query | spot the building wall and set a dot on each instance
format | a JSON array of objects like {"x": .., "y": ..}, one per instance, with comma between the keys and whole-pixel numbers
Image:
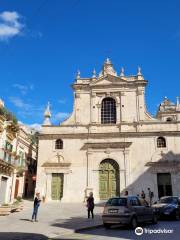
[{"x": 134, "y": 175}]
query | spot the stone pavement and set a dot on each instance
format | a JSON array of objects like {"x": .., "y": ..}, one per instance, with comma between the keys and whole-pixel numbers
[{"x": 55, "y": 219}]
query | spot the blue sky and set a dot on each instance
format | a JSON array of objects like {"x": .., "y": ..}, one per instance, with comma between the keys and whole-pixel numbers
[{"x": 44, "y": 42}]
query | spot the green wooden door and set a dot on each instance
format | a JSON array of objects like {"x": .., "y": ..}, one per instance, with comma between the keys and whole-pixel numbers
[
  {"x": 57, "y": 186},
  {"x": 108, "y": 179}
]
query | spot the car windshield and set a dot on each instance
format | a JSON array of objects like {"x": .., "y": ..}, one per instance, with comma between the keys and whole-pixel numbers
[
  {"x": 168, "y": 200},
  {"x": 117, "y": 202}
]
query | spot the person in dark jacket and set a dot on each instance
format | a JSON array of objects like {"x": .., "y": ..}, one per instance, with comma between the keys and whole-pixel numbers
[
  {"x": 143, "y": 195},
  {"x": 90, "y": 205},
  {"x": 37, "y": 201}
]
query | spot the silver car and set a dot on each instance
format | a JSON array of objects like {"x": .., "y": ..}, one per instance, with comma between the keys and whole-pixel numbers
[{"x": 128, "y": 210}]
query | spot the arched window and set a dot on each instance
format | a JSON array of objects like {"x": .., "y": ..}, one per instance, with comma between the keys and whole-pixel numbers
[
  {"x": 59, "y": 144},
  {"x": 169, "y": 119},
  {"x": 108, "y": 111},
  {"x": 161, "y": 142}
]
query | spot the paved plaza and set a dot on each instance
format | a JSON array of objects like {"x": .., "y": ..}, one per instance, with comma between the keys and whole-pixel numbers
[
  {"x": 61, "y": 220},
  {"x": 55, "y": 220}
]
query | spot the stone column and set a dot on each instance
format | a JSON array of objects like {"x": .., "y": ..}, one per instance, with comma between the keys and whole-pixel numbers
[
  {"x": 127, "y": 166},
  {"x": 13, "y": 185},
  {"x": 118, "y": 112},
  {"x": 123, "y": 107},
  {"x": 48, "y": 186},
  {"x": 99, "y": 113},
  {"x": 141, "y": 110},
  {"x": 124, "y": 171},
  {"x": 93, "y": 110}
]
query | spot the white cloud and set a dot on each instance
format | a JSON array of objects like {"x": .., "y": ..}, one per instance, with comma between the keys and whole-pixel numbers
[
  {"x": 23, "y": 88},
  {"x": 26, "y": 110},
  {"x": 18, "y": 102},
  {"x": 30, "y": 127},
  {"x": 62, "y": 101},
  {"x": 10, "y": 25},
  {"x": 60, "y": 116},
  {"x": 35, "y": 126}
]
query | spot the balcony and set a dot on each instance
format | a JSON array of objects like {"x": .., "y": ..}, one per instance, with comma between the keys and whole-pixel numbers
[{"x": 12, "y": 158}]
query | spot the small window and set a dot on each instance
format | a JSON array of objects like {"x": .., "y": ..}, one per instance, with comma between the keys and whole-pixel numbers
[
  {"x": 59, "y": 144},
  {"x": 161, "y": 142},
  {"x": 169, "y": 119}
]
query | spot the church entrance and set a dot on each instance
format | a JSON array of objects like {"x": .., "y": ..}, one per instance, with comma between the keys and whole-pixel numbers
[
  {"x": 108, "y": 179},
  {"x": 57, "y": 186},
  {"x": 164, "y": 184}
]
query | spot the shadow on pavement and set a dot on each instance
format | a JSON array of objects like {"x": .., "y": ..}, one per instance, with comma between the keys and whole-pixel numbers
[
  {"x": 21, "y": 236},
  {"x": 29, "y": 236},
  {"x": 77, "y": 222},
  {"x": 25, "y": 219}
]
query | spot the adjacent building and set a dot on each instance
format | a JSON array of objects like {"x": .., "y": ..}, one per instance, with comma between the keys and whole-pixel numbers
[
  {"x": 110, "y": 143},
  {"x": 18, "y": 150}
]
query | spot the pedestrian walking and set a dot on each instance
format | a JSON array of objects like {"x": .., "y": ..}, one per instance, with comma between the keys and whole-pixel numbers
[
  {"x": 90, "y": 205},
  {"x": 143, "y": 195},
  {"x": 37, "y": 201},
  {"x": 150, "y": 196}
]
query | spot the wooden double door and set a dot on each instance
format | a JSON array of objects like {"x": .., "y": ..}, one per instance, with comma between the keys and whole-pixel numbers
[
  {"x": 57, "y": 186},
  {"x": 108, "y": 179}
]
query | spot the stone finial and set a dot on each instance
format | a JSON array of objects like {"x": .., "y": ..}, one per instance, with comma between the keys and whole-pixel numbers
[
  {"x": 94, "y": 73},
  {"x": 108, "y": 68},
  {"x": 47, "y": 115},
  {"x": 108, "y": 61},
  {"x": 78, "y": 75},
  {"x": 122, "y": 72},
  {"x": 139, "y": 73}
]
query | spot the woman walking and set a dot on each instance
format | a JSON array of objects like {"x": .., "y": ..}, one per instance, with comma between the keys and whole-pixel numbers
[
  {"x": 90, "y": 205},
  {"x": 37, "y": 201}
]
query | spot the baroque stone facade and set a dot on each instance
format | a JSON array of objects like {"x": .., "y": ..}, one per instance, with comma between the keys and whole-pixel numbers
[{"x": 110, "y": 143}]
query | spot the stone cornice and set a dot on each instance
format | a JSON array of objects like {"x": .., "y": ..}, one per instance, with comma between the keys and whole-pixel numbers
[
  {"x": 107, "y": 135},
  {"x": 140, "y": 123},
  {"x": 106, "y": 145},
  {"x": 56, "y": 165},
  {"x": 166, "y": 163}
]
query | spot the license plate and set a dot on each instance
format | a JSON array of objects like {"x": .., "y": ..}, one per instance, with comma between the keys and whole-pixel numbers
[
  {"x": 166, "y": 213},
  {"x": 113, "y": 211}
]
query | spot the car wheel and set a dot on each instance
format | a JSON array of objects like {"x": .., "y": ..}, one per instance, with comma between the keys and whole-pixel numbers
[
  {"x": 154, "y": 220},
  {"x": 107, "y": 225},
  {"x": 133, "y": 222},
  {"x": 177, "y": 217}
]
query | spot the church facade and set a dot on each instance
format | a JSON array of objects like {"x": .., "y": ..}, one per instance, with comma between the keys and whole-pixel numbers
[{"x": 110, "y": 143}]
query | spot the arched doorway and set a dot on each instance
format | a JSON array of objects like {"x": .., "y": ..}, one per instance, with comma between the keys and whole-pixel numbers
[{"x": 108, "y": 179}]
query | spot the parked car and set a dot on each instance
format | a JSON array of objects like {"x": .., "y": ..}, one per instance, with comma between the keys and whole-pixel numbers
[
  {"x": 168, "y": 207},
  {"x": 127, "y": 210}
]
